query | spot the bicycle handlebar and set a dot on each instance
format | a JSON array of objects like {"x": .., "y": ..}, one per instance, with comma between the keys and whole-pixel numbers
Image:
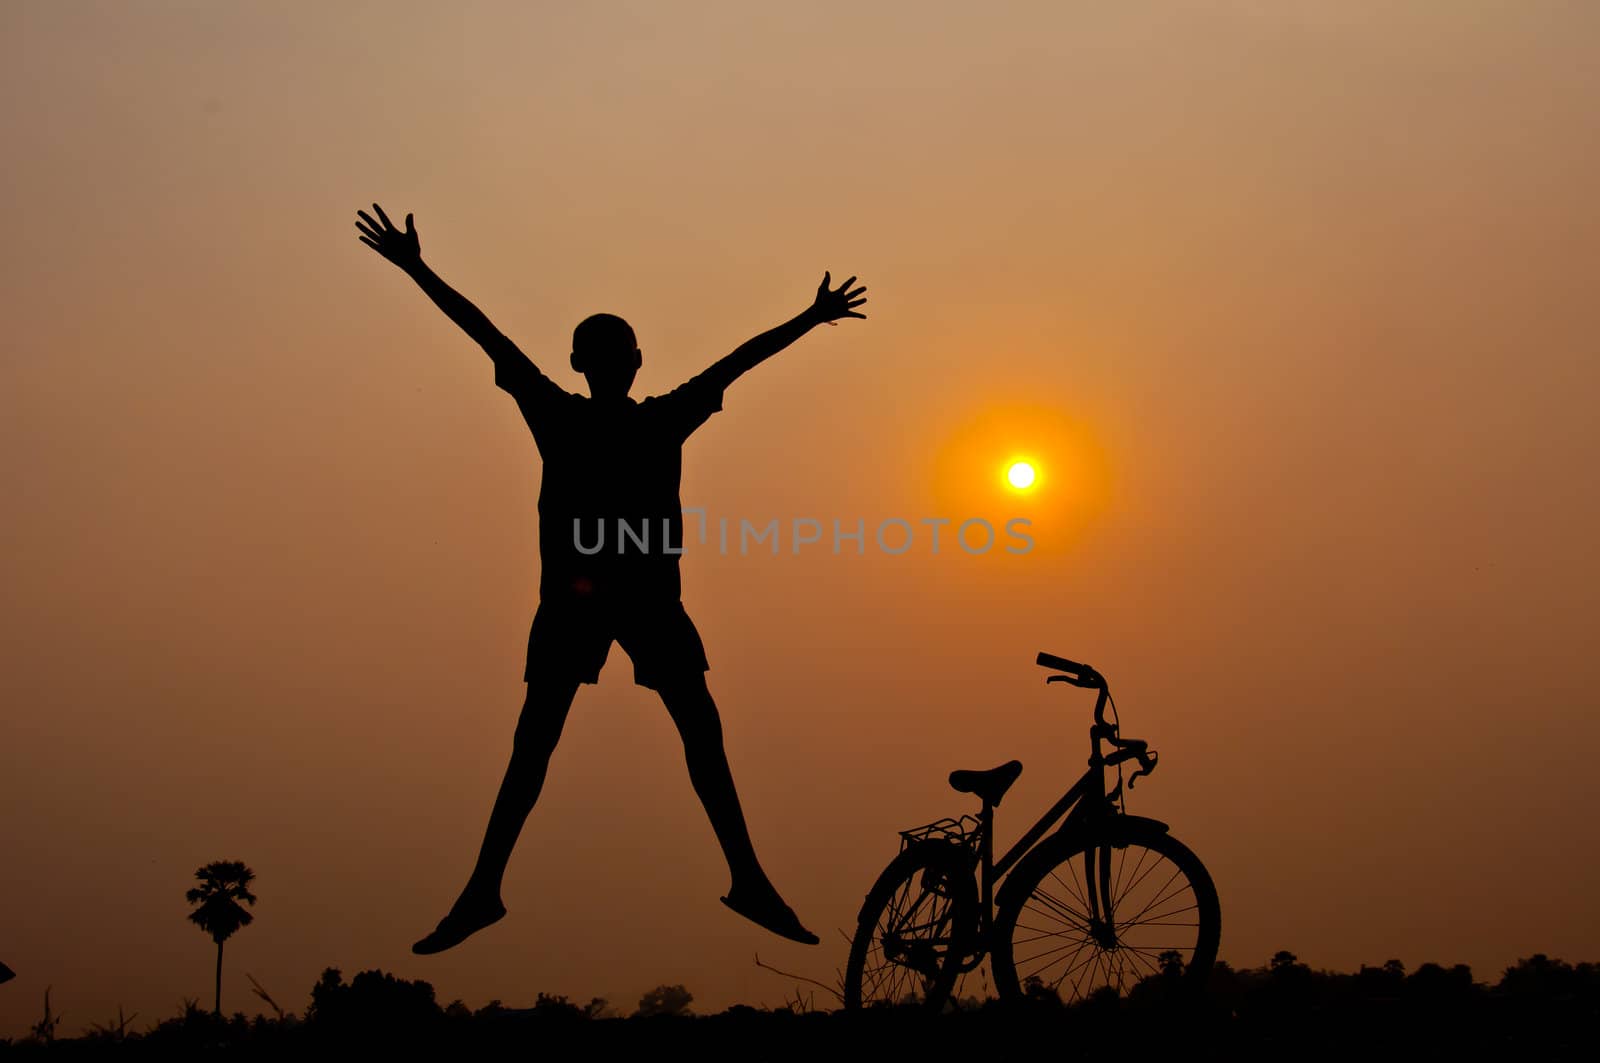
[{"x": 1080, "y": 675}]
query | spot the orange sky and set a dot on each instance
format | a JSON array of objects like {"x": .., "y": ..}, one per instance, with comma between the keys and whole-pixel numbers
[{"x": 1295, "y": 308}]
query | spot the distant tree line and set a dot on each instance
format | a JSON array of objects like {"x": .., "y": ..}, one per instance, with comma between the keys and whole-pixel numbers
[{"x": 1284, "y": 1009}]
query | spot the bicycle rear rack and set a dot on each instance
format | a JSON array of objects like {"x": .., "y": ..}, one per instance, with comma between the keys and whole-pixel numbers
[{"x": 965, "y": 832}]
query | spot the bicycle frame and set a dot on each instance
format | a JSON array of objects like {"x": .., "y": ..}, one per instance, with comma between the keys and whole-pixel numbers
[{"x": 1085, "y": 801}]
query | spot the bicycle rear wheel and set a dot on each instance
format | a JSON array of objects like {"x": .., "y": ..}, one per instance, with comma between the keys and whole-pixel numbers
[
  {"x": 918, "y": 923},
  {"x": 1132, "y": 910}
]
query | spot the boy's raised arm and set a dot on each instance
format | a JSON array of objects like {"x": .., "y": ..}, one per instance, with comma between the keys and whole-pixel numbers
[
  {"x": 829, "y": 306},
  {"x": 404, "y": 249}
]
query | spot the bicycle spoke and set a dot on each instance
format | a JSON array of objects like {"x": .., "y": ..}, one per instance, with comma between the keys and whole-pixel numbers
[
  {"x": 1156, "y": 951},
  {"x": 1080, "y": 924},
  {"x": 875, "y": 979},
  {"x": 1041, "y": 936},
  {"x": 1090, "y": 965},
  {"x": 1082, "y": 895},
  {"x": 1109, "y": 970},
  {"x": 1077, "y": 946},
  {"x": 1137, "y": 955},
  {"x": 1147, "y": 872},
  {"x": 1039, "y": 933},
  {"x": 896, "y": 982},
  {"x": 1063, "y": 911},
  {"x": 1162, "y": 898},
  {"x": 1163, "y": 922},
  {"x": 1184, "y": 892},
  {"x": 1071, "y": 963},
  {"x": 1064, "y": 940},
  {"x": 1165, "y": 919},
  {"x": 1122, "y": 972},
  {"x": 1122, "y": 863}
]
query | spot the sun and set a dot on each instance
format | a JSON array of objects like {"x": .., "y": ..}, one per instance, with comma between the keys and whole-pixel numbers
[{"x": 1021, "y": 475}]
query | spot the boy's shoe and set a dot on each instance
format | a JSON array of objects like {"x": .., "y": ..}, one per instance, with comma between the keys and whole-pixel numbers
[
  {"x": 456, "y": 927},
  {"x": 772, "y": 914}
]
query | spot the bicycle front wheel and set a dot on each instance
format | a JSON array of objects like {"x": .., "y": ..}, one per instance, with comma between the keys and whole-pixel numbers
[
  {"x": 1132, "y": 910},
  {"x": 918, "y": 924}
]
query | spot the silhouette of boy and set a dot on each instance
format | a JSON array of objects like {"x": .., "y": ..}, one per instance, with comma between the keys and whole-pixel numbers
[{"x": 610, "y": 528}]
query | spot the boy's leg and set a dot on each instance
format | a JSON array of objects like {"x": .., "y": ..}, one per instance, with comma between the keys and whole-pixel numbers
[
  {"x": 538, "y": 730},
  {"x": 752, "y": 894},
  {"x": 689, "y": 703}
]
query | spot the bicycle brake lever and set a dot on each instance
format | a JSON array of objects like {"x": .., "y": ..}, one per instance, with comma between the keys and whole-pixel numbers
[
  {"x": 1147, "y": 764},
  {"x": 1088, "y": 680}
]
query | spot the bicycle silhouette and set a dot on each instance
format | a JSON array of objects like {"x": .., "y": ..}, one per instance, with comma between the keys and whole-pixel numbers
[{"x": 1107, "y": 901}]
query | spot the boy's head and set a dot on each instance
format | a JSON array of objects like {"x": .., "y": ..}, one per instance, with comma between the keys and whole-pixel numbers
[{"x": 605, "y": 351}]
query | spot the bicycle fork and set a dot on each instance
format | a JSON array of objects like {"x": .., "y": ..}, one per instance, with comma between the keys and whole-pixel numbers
[{"x": 1097, "y": 880}]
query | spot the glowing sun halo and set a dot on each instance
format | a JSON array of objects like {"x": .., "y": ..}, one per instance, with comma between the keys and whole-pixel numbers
[{"x": 1020, "y": 475}]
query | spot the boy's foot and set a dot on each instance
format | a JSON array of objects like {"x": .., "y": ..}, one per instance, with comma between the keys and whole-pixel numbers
[
  {"x": 462, "y": 922},
  {"x": 766, "y": 909}
]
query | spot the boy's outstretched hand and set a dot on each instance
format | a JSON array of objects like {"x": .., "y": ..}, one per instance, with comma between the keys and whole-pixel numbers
[
  {"x": 830, "y": 306},
  {"x": 401, "y": 248}
]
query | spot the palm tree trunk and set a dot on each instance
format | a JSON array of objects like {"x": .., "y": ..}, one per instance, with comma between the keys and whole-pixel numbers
[{"x": 219, "y": 978}]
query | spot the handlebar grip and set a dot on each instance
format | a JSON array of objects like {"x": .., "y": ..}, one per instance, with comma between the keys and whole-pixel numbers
[{"x": 1061, "y": 664}]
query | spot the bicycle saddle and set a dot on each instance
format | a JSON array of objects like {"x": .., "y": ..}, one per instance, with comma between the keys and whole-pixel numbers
[{"x": 989, "y": 785}]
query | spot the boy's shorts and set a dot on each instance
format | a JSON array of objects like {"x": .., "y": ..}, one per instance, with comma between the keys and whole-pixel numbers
[{"x": 571, "y": 639}]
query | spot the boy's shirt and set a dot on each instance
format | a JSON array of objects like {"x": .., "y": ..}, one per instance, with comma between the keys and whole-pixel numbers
[{"x": 603, "y": 462}]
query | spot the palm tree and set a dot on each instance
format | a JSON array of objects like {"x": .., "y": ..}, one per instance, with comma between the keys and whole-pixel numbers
[{"x": 223, "y": 884}]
